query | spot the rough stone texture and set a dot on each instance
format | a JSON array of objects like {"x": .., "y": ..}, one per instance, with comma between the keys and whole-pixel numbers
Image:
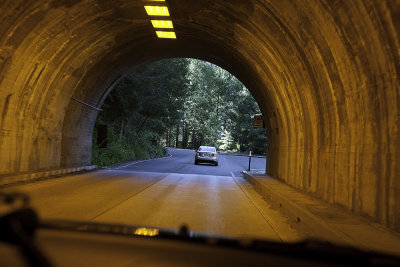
[{"x": 325, "y": 74}]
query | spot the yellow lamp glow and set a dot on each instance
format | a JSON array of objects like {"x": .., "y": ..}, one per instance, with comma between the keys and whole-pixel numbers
[
  {"x": 164, "y": 24},
  {"x": 146, "y": 231},
  {"x": 157, "y": 10},
  {"x": 162, "y": 34}
]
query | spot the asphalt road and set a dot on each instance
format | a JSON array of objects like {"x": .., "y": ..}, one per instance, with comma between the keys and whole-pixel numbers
[
  {"x": 166, "y": 192},
  {"x": 182, "y": 161}
]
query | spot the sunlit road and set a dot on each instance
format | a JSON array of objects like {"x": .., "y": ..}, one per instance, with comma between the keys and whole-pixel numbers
[{"x": 165, "y": 192}]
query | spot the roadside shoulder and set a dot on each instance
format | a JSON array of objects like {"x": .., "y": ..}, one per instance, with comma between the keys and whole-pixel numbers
[{"x": 323, "y": 220}]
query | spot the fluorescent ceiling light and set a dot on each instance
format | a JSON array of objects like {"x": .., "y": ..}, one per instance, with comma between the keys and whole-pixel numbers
[
  {"x": 157, "y": 10},
  {"x": 162, "y": 34},
  {"x": 155, "y": 0},
  {"x": 164, "y": 24}
]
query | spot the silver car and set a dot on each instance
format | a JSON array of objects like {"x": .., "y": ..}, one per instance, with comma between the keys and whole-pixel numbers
[{"x": 206, "y": 154}]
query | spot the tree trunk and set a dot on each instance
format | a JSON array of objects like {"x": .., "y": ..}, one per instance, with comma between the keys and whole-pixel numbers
[
  {"x": 185, "y": 135},
  {"x": 167, "y": 141},
  {"x": 177, "y": 137},
  {"x": 121, "y": 131}
]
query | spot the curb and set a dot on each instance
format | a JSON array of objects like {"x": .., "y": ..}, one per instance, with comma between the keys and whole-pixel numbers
[
  {"x": 30, "y": 177},
  {"x": 9, "y": 179},
  {"x": 129, "y": 163},
  {"x": 313, "y": 225}
]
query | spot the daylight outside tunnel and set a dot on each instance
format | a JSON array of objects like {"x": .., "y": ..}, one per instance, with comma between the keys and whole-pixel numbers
[
  {"x": 325, "y": 75},
  {"x": 181, "y": 103}
]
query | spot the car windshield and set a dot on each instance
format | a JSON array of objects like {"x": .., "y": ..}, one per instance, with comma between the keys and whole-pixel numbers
[{"x": 109, "y": 114}]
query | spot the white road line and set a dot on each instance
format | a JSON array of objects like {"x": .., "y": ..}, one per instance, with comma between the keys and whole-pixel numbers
[
  {"x": 136, "y": 162},
  {"x": 131, "y": 196}
]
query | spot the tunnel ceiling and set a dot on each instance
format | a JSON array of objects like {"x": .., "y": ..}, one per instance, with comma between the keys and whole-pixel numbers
[{"x": 325, "y": 75}]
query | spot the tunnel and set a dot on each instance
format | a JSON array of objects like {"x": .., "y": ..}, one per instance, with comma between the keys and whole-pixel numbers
[{"x": 324, "y": 73}]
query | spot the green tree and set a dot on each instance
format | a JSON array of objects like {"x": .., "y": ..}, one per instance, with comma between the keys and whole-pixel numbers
[
  {"x": 158, "y": 102},
  {"x": 219, "y": 110},
  {"x": 140, "y": 110}
]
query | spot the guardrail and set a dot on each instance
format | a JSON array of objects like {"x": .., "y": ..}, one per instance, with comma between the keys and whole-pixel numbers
[{"x": 241, "y": 155}]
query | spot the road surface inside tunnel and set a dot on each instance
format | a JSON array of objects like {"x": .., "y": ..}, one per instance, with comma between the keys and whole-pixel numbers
[
  {"x": 182, "y": 161},
  {"x": 168, "y": 193}
]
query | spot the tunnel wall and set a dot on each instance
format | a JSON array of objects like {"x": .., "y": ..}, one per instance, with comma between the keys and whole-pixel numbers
[
  {"x": 349, "y": 120},
  {"x": 325, "y": 74}
]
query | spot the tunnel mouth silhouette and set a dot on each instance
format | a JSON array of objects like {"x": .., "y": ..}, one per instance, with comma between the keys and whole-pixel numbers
[
  {"x": 135, "y": 121},
  {"x": 79, "y": 123},
  {"x": 325, "y": 76}
]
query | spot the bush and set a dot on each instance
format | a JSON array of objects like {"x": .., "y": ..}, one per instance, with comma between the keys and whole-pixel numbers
[{"x": 145, "y": 146}]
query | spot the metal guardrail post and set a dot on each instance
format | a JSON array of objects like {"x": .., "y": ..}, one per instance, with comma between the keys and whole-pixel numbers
[{"x": 249, "y": 160}]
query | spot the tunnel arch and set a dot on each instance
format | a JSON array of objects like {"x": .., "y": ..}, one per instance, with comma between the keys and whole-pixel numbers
[
  {"x": 325, "y": 75},
  {"x": 75, "y": 123}
]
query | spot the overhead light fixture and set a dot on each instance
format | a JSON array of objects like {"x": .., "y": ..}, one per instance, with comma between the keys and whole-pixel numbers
[
  {"x": 163, "y": 24},
  {"x": 157, "y": 10},
  {"x": 168, "y": 35}
]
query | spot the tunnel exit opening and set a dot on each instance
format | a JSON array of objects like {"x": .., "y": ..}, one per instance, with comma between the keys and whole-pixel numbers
[{"x": 180, "y": 103}]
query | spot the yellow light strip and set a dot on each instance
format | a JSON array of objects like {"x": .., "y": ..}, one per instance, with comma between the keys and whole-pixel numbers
[
  {"x": 163, "y": 24},
  {"x": 155, "y": 0},
  {"x": 163, "y": 34},
  {"x": 146, "y": 231},
  {"x": 157, "y": 10}
]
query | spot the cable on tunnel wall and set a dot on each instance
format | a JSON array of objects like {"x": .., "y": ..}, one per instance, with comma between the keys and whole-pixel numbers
[{"x": 86, "y": 104}]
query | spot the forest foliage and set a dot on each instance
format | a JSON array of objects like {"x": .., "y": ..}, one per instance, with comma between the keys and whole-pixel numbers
[{"x": 181, "y": 103}]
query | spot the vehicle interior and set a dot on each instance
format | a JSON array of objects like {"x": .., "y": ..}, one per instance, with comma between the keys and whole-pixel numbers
[{"x": 323, "y": 75}]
